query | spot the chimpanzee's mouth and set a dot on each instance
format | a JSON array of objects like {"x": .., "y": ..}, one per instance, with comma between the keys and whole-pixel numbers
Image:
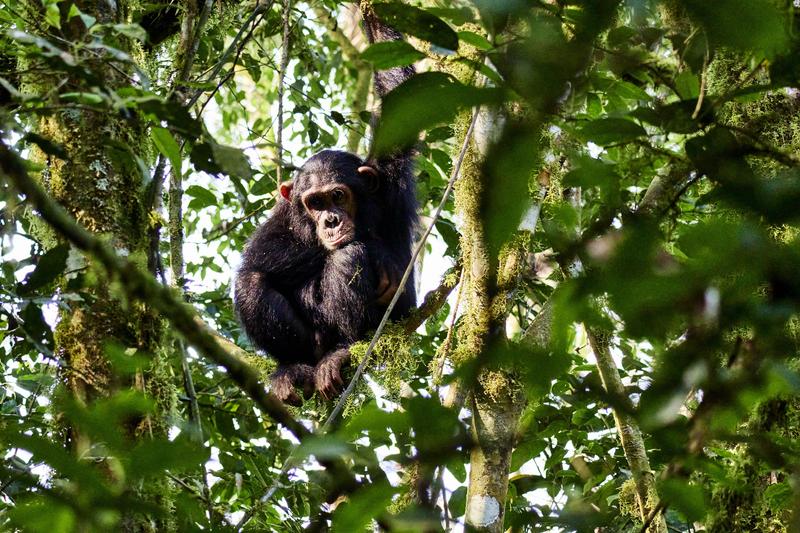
[{"x": 338, "y": 239}]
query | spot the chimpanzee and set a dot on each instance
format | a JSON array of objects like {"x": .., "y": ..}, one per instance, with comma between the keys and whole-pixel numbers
[{"x": 321, "y": 271}]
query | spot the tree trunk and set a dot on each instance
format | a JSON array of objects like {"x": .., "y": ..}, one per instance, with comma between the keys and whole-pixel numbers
[
  {"x": 102, "y": 187},
  {"x": 497, "y": 403}
]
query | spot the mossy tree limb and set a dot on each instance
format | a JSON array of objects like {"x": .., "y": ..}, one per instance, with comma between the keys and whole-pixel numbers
[
  {"x": 496, "y": 412},
  {"x": 630, "y": 435},
  {"x": 104, "y": 191},
  {"x": 360, "y": 94},
  {"x": 139, "y": 286}
]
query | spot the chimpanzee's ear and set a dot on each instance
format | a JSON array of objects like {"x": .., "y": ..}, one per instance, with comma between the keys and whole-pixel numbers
[
  {"x": 371, "y": 176},
  {"x": 286, "y": 189}
]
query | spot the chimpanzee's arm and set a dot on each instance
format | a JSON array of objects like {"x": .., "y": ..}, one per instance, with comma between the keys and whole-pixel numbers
[
  {"x": 391, "y": 252},
  {"x": 348, "y": 288},
  {"x": 272, "y": 264},
  {"x": 377, "y": 31},
  {"x": 397, "y": 165}
]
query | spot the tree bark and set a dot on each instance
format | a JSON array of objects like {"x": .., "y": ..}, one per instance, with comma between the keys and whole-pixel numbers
[
  {"x": 104, "y": 192},
  {"x": 496, "y": 403},
  {"x": 629, "y": 433}
]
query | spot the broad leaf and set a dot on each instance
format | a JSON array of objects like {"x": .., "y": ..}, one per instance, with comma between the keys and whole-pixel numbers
[{"x": 419, "y": 23}]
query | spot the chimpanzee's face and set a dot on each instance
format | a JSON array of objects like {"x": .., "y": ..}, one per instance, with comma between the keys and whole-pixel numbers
[
  {"x": 332, "y": 207},
  {"x": 328, "y": 190}
]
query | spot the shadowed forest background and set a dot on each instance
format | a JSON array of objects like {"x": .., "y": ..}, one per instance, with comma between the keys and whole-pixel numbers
[{"x": 608, "y": 336}]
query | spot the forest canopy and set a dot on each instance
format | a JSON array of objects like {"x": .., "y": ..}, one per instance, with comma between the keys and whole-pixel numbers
[{"x": 607, "y": 336}]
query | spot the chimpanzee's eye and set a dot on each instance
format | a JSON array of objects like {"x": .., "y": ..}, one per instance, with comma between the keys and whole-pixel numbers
[
  {"x": 314, "y": 203},
  {"x": 337, "y": 196}
]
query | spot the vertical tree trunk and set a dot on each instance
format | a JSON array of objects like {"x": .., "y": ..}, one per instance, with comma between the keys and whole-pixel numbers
[
  {"x": 102, "y": 187},
  {"x": 496, "y": 402}
]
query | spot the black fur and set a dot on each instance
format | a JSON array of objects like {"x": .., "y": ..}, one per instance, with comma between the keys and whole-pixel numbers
[{"x": 305, "y": 304}]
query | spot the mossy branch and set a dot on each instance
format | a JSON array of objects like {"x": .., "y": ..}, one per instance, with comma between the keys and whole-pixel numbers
[
  {"x": 141, "y": 286},
  {"x": 349, "y": 50},
  {"x": 434, "y": 300}
]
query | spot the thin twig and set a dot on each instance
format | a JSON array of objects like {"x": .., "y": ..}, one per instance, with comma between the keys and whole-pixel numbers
[
  {"x": 447, "y": 344},
  {"x": 703, "y": 81},
  {"x": 281, "y": 76},
  {"x": 360, "y": 369},
  {"x": 237, "y": 43}
]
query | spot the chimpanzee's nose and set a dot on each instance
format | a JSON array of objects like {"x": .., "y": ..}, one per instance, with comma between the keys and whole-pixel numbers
[{"x": 331, "y": 221}]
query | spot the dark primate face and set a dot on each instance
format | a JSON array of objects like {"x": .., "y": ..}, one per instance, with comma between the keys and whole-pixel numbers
[
  {"x": 327, "y": 190},
  {"x": 333, "y": 209}
]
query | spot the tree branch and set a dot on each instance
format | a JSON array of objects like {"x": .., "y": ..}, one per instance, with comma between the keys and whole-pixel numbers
[
  {"x": 141, "y": 286},
  {"x": 434, "y": 300}
]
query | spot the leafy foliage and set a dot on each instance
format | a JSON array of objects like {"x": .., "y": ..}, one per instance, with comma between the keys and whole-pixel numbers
[{"x": 654, "y": 144}]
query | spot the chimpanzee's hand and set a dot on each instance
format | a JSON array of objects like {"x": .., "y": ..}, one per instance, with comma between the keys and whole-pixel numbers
[
  {"x": 388, "y": 283},
  {"x": 286, "y": 378},
  {"x": 328, "y": 373}
]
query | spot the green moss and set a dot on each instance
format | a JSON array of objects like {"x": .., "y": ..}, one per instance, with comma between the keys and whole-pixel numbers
[
  {"x": 499, "y": 385},
  {"x": 628, "y": 502},
  {"x": 772, "y": 117},
  {"x": 393, "y": 360}
]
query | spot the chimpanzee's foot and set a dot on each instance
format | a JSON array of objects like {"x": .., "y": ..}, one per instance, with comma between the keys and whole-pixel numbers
[
  {"x": 287, "y": 377},
  {"x": 327, "y": 374}
]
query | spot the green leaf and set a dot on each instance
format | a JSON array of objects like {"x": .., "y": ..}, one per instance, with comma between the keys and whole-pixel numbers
[
  {"x": 87, "y": 20},
  {"x": 220, "y": 159},
  {"x": 323, "y": 447},
  {"x": 52, "y": 15},
  {"x": 49, "y": 267},
  {"x": 508, "y": 170},
  {"x": 43, "y": 514},
  {"x": 132, "y": 31},
  {"x": 458, "y": 502},
  {"x": 175, "y": 115},
  {"x": 364, "y": 505},
  {"x": 744, "y": 24},
  {"x": 82, "y": 98},
  {"x": 168, "y": 147},
  {"x": 778, "y": 496},
  {"x": 338, "y": 118},
  {"x": 686, "y": 497},
  {"x": 478, "y": 41},
  {"x": 35, "y": 325},
  {"x": 611, "y": 131},
  {"x": 152, "y": 457},
  {"x": 590, "y": 172},
  {"x": 388, "y": 54},
  {"x": 424, "y": 101},
  {"x": 126, "y": 361},
  {"x": 675, "y": 117},
  {"x": 687, "y": 85},
  {"x": 414, "y": 21},
  {"x": 458, "y": 16},
  {"x": 458, "y": 469},
  {"x": 202, "y": 196}
]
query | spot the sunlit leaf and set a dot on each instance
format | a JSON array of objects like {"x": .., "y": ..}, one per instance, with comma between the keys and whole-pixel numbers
[
  {"x": 166, "y": 144},
  {"x": 422, "y": 102},
  {"x": 385, "y": 55}
]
